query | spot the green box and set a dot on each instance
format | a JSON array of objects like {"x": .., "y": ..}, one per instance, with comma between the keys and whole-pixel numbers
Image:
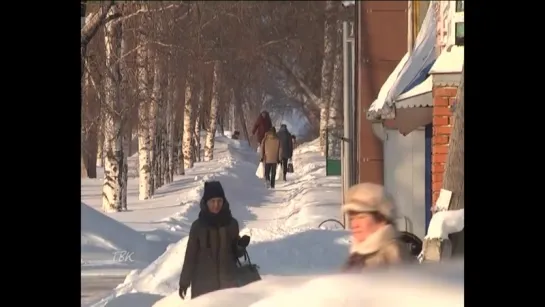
[{"x": 332, "y": 167}]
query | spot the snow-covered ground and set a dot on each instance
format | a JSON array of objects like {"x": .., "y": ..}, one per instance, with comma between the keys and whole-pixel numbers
[
  {"x": 283, "y": 223},
  {"x": 298, "y": 261}
]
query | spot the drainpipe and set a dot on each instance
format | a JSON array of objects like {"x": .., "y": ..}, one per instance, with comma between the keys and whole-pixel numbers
[
  {"x": 410, "y": 28},
  {"x": 378, "y": 130},
  {"x": 369, "y": 147}
]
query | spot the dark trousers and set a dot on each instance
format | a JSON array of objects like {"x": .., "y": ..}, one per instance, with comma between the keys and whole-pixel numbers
[
  {"x": 284, "y": 168},
  {"x": 270, "y": 173}
]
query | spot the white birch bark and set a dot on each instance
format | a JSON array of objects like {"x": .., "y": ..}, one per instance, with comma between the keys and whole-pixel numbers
[
  {"x": 327, "y": 70},
  {"x": 189, "y": 123},
  {"x": 111, "y": 189},
  {"x": 333, "y": 122},
  {"x": 144, "y": 191},
  {"x": 125, "y": 133},
  {"x": 214, "y": 103}
]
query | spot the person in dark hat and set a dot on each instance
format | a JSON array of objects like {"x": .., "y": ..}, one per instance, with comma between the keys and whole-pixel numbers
[{"x": 213, "y": 247}]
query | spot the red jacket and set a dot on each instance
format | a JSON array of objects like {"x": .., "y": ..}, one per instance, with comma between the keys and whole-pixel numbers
[{"x": 262, "y": 125}]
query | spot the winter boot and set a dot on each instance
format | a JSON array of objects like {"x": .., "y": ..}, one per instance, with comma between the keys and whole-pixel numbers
[{"x": 267, "y": 184}]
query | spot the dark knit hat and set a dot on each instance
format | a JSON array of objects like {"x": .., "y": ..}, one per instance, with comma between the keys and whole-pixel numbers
[{"x": 212, "y": 189}]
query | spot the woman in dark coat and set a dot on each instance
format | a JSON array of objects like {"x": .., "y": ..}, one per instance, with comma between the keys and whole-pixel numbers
[
  {"x": 262, "y": 125},
  {"x": 213, "y": 246}
]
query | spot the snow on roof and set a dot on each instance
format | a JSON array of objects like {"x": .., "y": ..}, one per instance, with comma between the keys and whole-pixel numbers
[
  {"x": 349, "y": 3},
  {"x": 411, "y": 67},
  {"x": 450, "y": 61},
  {"x": 418, "y": 96},
  {"x": 444, "y": 223}
]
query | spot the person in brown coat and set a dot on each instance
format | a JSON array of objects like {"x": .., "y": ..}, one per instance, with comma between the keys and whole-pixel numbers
[
  {"x": 213, "y": 247},
  {"x": 262, "y": 125},
  {"x": 375, "y": 239},
  {"x": 271, "y": 152}
]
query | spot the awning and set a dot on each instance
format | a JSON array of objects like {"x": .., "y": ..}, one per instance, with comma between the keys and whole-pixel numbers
[{"x": 411, "y": 72}]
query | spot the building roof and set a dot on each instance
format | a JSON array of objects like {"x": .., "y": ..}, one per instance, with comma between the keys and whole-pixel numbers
[{"x": 411, "y": 71}]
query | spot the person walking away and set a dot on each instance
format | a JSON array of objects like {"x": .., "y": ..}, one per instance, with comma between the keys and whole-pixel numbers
[
  {"x": 262, "y": 125},
  {"x": 271, "y": 151},
  {"x": 375, "y": 239},
  {"x": 213, "y": 246},
  {"x": 287, "y": 148}
]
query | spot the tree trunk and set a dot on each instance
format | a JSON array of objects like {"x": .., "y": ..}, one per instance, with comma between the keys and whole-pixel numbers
[
  {"x": 198, "y": 115},
  {"x": 126, "y": 131},
  {"x": 333, "y": 127},
  {"x": 100, "y": 141},
  {"x": 240, "y": 113},
  {"x": 327, "y": 70},
  {"x": 153, "y": 154},
  {"x": 144, "y": 191},
  {"x": 158, "y": 103},
  {"x": 170, "y": 126},
  {"x": 212, "y": 122},
  {"x": 454, "y": 168},
  {"x": 189, "y": 121},
  {"x": 180, "y": 101},
  {"x": 111, "y": 190}
]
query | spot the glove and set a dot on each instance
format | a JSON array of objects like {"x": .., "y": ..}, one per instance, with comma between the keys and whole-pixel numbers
[
  {"x": 182, "y": 291},
  {"x": 244, "y": 241}
]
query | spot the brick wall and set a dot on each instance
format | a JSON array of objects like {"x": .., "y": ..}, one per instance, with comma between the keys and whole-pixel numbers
[{"x": 443, "y": 98}]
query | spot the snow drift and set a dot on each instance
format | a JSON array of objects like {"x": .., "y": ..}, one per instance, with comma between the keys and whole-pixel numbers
[{"x": 107, "y": 243}]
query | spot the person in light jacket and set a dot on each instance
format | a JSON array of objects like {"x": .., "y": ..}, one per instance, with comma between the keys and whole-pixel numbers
[
  {"x": 271, "y": 151},
  {"x": 375, "y": 239},
  {"x": 213, "y": 246}
]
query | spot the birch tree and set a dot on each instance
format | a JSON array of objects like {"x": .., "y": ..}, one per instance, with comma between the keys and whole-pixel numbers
[
  {"x": 144, "y": 180},
  {"x": 214, "y": 104},
  {"x": 189, "y": 121},
  {"x": 125, "y": 127},
  {"x": 111, "y": 190},
  {"x": 327, "y": 70}
]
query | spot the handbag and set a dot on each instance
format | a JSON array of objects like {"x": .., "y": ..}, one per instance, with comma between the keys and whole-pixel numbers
[
  {"x": 290, "y": 166},
  {"x": 246, "y": 273},
  {"x": 260, "y": 172}
]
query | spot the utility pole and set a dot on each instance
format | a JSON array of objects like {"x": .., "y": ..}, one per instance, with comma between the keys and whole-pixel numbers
[{"x": 348, "y": 148}]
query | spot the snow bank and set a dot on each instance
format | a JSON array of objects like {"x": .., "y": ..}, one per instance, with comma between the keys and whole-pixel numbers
[
  {"x": 444, "y": 223},
  {"x": 107, "y": 243},
  {"x": 423, "y": 286}
]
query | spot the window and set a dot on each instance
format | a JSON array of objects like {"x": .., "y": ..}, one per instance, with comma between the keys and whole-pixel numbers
[
  {"x": 459, "y": 6},
  {"x": 459, "y": 34}
]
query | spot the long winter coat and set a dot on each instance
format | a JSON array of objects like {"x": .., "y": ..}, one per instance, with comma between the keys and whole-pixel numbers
[
  {"x": 382, "y": 248},
  {"x": 210, "y": 258},
  {"x": 285, "y": 142},
  {"x": 271, "y": 151},
  {"x": 261, "y": 126}
]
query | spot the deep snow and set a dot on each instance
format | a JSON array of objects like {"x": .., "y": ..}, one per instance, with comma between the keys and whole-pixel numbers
[{"x": 282, "y": 223}]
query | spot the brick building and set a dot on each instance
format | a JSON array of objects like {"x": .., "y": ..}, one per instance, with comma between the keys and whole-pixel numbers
[{"x": 412, "y": 114}]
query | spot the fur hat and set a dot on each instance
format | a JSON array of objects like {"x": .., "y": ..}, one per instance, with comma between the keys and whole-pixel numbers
[
  {"x": 212, "y": 189},
  {"x": 370, "y": 197}
]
